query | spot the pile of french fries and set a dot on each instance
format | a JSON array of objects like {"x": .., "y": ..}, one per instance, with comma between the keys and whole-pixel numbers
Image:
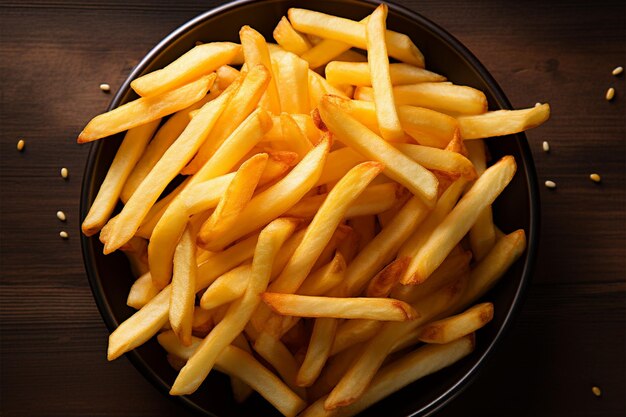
[{"x": 331, "y": 230}]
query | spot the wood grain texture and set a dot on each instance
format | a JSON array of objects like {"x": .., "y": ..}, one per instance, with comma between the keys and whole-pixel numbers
[{"x": 570, "y": 334}]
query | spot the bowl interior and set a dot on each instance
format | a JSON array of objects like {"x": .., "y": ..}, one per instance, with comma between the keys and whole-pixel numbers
[{"x": 517, "y": 207}]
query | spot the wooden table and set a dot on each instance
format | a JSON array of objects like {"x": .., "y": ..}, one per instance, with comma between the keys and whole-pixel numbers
[{"x": 570, "y": 334}]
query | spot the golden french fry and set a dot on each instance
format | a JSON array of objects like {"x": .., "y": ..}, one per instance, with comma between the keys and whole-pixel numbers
[
  {"x": 374, "y": 199},
  {"x": 502, "y": 122},
  {"x": 482, "y": 235},
  {"x": 455, "y": 327},
  {"x": 183, "y": 287},
  {"x": 202, "y": 321},
  {"x": 239, "y": 312},
  {"x": 237, "y": 362},
  {"x": 144, "y": 324},
  {"x": 243, "y": 102},
  {"x": 358, "y": 74},
  {"x": 125, "y": 159},
  {"x": 226, "y": 288},
  {"x": 305, "y": 122},
  {"x": 385, "y": 280},
  {"x": 281, "y": 359},
  {"x": 277, "y": 199},
  {"x": 226, "y": 75},
  {"x": 292, "y": 79},
  {"x": 199, "y": 61},
  {"x": 452, "y": 229},
  {"x": 386, "y": 113},
  {"x": 141, "y": 292},
  {"x": 353, "y": 332},
  {"x": 163, "y": 139},
  {"x": 451, "y": 163},
  {"x": 156, "y": 211},
  {"x": 349, "y": 246},
  {"x": 241, "y": 390},
  {"x": 398, "y": 374},
  {"x": 177, "y": 155},
  {"x": 444, "y": 206},
  {"x": 351, "y": 56},
  {"x": 353, "y": 33},
  {"x": 441, "y": 96},
  {"x": 354, "y": 383},
  {"x": 323, "y": 226},
  {"x": 145, "y": 110},
  {"x": 338, "y": 163},
  {"x": 457, "y": 145},
  {"x": 236, "y": 196},
  {"x": 290, "y": 40},
  {"x": 454, "y": 266},
  {"x": 317, "y": 352},
  {"x": 136, "y": 251},
  {"x": 325, "y": 278},
  {"x": 326, "y": 50},
  {"x": 397, "y": 166},
  {"x": 171, "y": 223},
  {"x": 255, "y": 52},
  {"x": 384, "y": 309},
  {"x": 293, "y": 135}
]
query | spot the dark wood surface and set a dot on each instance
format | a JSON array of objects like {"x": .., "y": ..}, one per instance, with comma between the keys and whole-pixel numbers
[{"x": 570, "y": 334}]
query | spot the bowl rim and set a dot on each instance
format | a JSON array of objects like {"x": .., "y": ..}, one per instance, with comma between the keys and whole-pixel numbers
[{"x": 500, "y": 99}]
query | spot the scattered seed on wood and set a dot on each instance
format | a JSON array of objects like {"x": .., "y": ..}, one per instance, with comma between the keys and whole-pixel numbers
[
  {"x": 610, "y": 93},
  {"x": 617, "y": 70},
  {"x": 595, "y": 177},
  {"x": 105, "y": 87},
  {"x": 20, "y": 145},
  {"x": 64, "y": 234},
  {"x": 61, "y": 216},
  {"x": 550, "y": 184},
  {"x": 64, "y": 172},
  {"x": 546, "y": 146},
  {"x": 596, "y": 391}
]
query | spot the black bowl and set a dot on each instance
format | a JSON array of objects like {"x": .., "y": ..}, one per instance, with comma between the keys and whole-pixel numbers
[{"x": 518, "y": 207}]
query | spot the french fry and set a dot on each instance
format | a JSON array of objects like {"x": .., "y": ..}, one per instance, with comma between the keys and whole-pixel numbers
[
  {"x": 354, "y": 383},
  {"x": 325, "y": 278},
  {"x": 353, "y": 33},
  {"x": 441, "y": 96},
  {"x": 397, "y": 166},
  {"x": 329, "y": 251},
  {"x": 241, "y": 390},
  {"x": 171, "y": 223},
  {"x": 398, "y": 374},
  {"x": 338, "y": 163},
  {"x": 358, "y": 74},
  {"x": 327, "y": 50},
  {"x": 146, "y": 322},
  {"x": 141, "y": 292},
  {"x": 452, "y": 229},
  {"x": 197, "y": 62},
  {"x": 294, "y": 136},
  {"x": 374, "y": 199},
  {"x": 145, "y": 110},
  {"x": 351, "y": 56},
  {"x": 385, "y": 280},
  {"x": 125, "y": 159},
  {"x": 332, "y": 372},
  {"x": 289, "y": 39},
  {"x": 226, "y": 288},
  {"x": 156, "y": 211},
  {"x": 349, "y": 246},
  {"x": 292, "y": 80},
  {"x": 164, "y": 171},
  {"x": 451, "y": 163},
  {"x": 455, "y": 327},
  {"x": 317, "y": 352},
  {"x": 277, "y": 199},
  {"x": 323, "y": 225},
  {"x": 386, "y": 113},
  {"x": 236, "y": 196},
  {"x": 353, "y": 332},
  {"x": 482, "y": 235},
  {"x": 281, "y": 359},
  {"x": 305, "y": 123},
  {"x": 444, "y": 206},
  {"x": 202, "y": 322},
  {"x": 163, "y": 139},
  {"x": 226, "y": 75},
  {"x": 502, "y": 122},
  {"x": 183, "y": 287},
  {"x": 136, "y": 251},
  {"x": 384, "y": 309},
  {"x": 241, "y": 364},
  {"x": 243, "y": 102},
  {"x": 255, "y": 52},
  {"x": 239, "y": 312}
]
